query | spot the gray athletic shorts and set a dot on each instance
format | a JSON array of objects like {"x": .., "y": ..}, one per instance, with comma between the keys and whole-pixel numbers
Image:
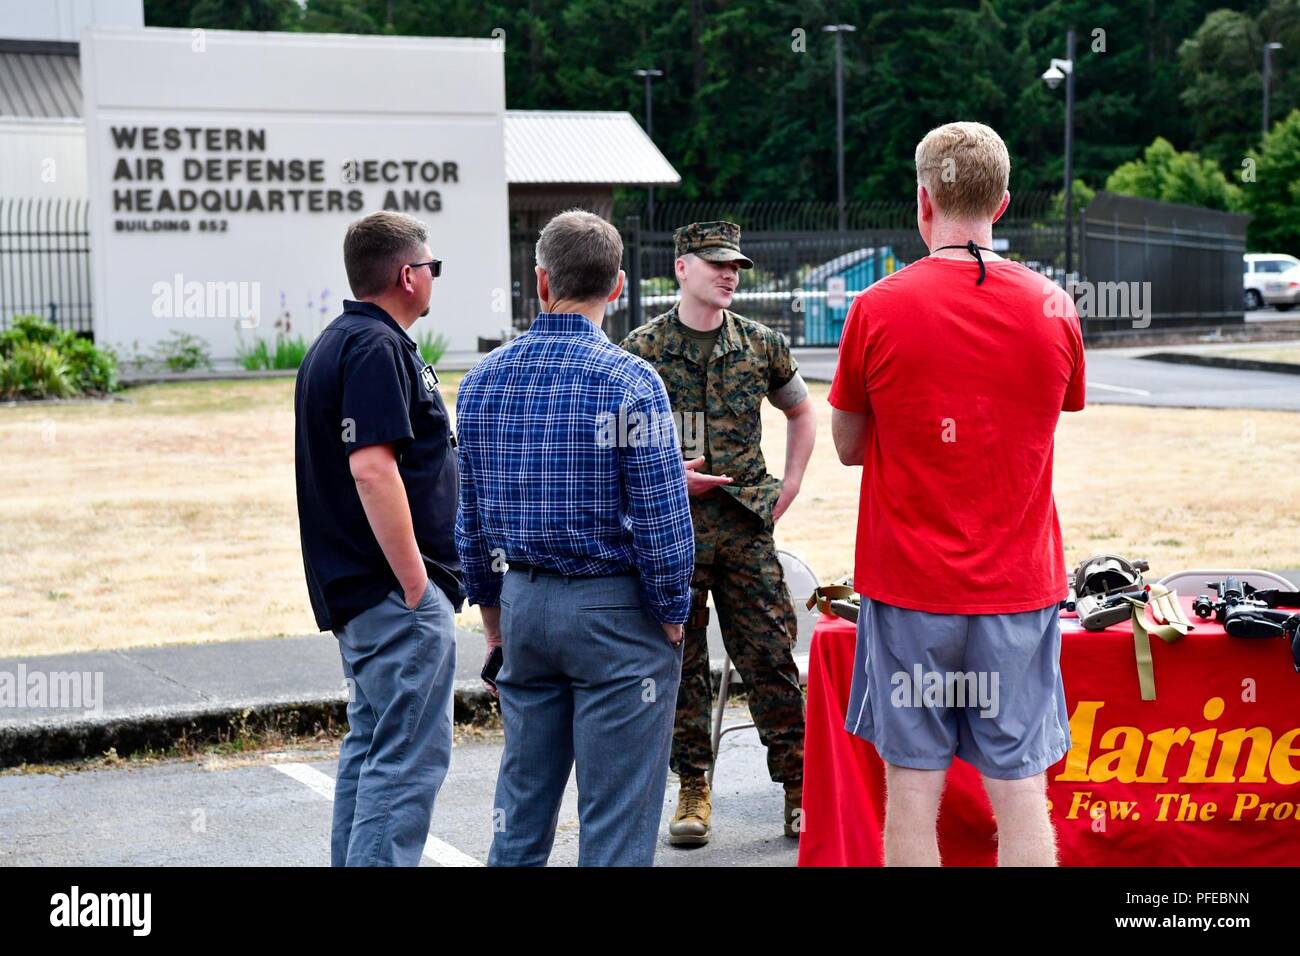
[{"x": 985, "y": 687}]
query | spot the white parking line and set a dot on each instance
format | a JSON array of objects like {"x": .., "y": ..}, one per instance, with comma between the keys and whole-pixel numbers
[
  {"x": 1119, "y": 388},
  {"x": 442, "y": 854}
]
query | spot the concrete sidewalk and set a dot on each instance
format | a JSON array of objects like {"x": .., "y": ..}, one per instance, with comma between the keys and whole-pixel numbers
[{"x": 153, "y": 697}]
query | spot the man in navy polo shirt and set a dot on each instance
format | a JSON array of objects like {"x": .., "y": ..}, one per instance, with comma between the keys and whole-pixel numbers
[{"x": 377, "y": 481}]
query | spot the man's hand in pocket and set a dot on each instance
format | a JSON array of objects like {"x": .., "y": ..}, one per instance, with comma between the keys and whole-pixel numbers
[
  {"x": 492, "y": 633},
  {"x": 414, "y": 594}
]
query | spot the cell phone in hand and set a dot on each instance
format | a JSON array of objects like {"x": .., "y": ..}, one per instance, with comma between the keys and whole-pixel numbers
[{"x": 493, "y": 666}]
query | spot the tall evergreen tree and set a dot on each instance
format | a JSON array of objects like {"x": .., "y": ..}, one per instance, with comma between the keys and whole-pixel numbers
[{"x": 746, "y": 106}]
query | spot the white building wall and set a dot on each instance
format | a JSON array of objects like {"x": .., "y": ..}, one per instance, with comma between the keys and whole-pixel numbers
[
  {"x": 324, "y": 98},
  {"x": 65, "y": 19},
  {"x": 42, "y": 157}
]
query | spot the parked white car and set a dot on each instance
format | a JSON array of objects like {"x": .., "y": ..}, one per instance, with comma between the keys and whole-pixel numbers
[{"x": 1270, "y": 279}]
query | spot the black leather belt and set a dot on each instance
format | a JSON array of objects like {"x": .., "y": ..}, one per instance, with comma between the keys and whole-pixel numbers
[{"x": 533, "y": 570}]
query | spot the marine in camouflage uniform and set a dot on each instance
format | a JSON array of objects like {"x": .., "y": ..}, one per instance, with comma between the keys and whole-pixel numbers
[{"x": 735, "y": 556}]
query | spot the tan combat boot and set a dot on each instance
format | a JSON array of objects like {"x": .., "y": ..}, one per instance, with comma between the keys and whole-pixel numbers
[
  {"x": 794, "y": 809},
  {"x": 690, "y": 824}
]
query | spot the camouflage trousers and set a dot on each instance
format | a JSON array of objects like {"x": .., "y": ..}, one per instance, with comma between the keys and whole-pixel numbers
[{"x": 759, "y": 630}]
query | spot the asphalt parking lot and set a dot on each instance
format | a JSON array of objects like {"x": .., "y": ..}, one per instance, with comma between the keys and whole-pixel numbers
[{"x": 273, "y": 809}]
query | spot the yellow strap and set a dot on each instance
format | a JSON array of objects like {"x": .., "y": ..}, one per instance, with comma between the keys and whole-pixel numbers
[
  {"x": 821, "y": 598},
  {"x": 1172, "y": 625}
]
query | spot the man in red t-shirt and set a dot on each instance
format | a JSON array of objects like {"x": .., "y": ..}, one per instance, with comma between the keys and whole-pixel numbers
[{"x": 952, "y": 375}]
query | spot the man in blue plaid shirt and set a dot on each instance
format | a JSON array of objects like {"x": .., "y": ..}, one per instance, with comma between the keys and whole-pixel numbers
[{"x": 575, "y": 535}]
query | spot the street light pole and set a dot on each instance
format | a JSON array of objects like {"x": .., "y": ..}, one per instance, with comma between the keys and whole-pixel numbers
[
  {"x": 1064, "y": 70},
  {"x": 1069, "y": 155},
  {"x": 839, "y": 29},
  {"x": 650, "y": 132},
  {"x": 1268, "y": 48}
]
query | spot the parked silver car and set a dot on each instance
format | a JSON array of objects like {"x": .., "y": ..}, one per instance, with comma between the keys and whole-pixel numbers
[{"x": 1270, "y": 279}]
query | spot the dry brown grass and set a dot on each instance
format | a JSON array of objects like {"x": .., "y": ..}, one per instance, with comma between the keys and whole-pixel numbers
[
  {"x": 1180, "y": 487},
  {"x": 1289, "y": 354},
  {"x": 169, "y": 517}
]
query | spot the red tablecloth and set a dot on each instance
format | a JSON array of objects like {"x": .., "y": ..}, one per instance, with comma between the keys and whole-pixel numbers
[{"x": 1205, "y": 774}]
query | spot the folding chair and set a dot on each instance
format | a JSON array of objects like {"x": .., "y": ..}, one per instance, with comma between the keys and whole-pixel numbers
[
  {"x": 1200, "y": 579},
  {"x": 801, "y": 581}
]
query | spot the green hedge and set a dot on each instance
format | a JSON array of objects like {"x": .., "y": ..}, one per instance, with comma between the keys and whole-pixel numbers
[{"x": 40, "y": 360}]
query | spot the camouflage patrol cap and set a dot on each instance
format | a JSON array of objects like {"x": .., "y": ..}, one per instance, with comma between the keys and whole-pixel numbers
[{"x": 715, "y": 241}]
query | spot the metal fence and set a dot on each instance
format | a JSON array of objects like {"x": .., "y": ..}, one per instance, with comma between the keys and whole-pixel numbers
[
  {"x": 45, "y": 261},
  {"x": 1155, "y": 265},
  {"x": 807, "y": 270}
]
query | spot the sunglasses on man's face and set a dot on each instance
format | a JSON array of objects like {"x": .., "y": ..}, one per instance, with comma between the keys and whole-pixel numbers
[{"x": 435, "y": 268}]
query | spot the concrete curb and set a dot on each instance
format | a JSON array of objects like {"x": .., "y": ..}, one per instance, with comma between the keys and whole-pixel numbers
[
  {"x": 53, "y": 741},
  {"x": 160, "y": 378},
  {"x": 60, "y": 741},
  {"x": 1222, "y": 361},
  {"x": 451, "y": 363},
  {"x": 1228, "y": 334}
]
